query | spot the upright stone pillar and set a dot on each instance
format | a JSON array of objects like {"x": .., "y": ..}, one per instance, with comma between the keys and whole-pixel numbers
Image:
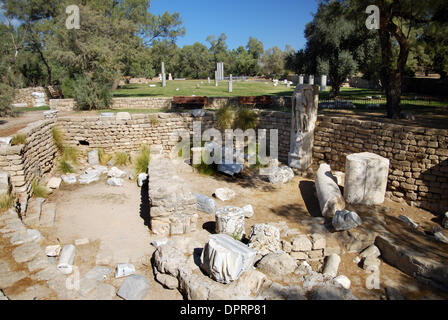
[
  {"x": 311, "y": 80},
  {"x": 216, "y": 78},
  {"x": 323, "y": 83},
  {"x": 208, "y": 79},
  {"x": 170, "y": 77},
  {"x": 305, "y": 101},
  {"x": 163, "y": 75},
  {"x": 366, "y": 178},
  {"x": 230, "y": 84},
  {"x": 300, "y": 79}
]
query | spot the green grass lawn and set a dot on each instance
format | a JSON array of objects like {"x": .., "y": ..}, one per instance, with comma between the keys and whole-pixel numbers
[
  {"x": 19, "y": 110},
  {"x": 188, "y": 88}
]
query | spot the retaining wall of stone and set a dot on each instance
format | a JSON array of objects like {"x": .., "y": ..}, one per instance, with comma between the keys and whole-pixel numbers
[
  {"x": 418, "y": 156},
  {"x": 31, "y": 160},
  {"x": 162, "y": 103},
  {"x": 24, "y": 95}
]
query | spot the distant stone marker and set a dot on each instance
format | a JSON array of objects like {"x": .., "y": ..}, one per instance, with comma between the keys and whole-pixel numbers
[{"x": 230, "y": 84}]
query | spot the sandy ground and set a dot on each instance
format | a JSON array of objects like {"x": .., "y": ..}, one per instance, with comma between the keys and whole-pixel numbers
[{"x": 117, "y": 216}]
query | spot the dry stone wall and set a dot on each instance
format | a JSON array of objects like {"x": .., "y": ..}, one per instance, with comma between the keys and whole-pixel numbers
[
  {"x": 31, "y": 160},
  {"x": 418, "y": 156},
  {"x": 23, "y": 96},
  {"x": 117, "y": 103}
]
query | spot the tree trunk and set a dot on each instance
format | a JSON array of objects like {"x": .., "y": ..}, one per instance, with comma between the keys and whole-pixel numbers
[{"x": 392, "y": 77}]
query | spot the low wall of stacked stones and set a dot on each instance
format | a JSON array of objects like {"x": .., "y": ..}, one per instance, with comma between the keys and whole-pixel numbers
[
  {"x": 162, "y": 103},
  {"x": 418, "y": 156},
  {"x": 117, "y": 103},
  {"x": 24, "y": 95},
  {"x": 128, "y": 135},
  {"x": 31, "y": 160},
  {"x": 158, "y": 128}
]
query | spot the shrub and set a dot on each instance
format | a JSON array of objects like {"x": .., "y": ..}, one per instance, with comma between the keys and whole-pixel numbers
[
  {"x": 142, "y": 160},
  {"x": 6, "y": 99},
  {"x": 68, "y": 87},
  {"x": 91, "y": 95},
  {"x": 39, "y": 190},
  {"x": 70, "y": 154},
  {"x": 121, "y": 158},
  {"x": 224, "y": 117},
  {"x": 18, "y": 139},
  {"x": 65, "y": 167},
  {"x": 245, "y": 118},
  {"x": 58, "y": 138},
  {"x": 6, "y": 202},
  {"x": 104, "y": 157}
]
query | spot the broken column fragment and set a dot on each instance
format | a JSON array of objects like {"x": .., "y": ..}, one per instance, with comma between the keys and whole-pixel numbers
[
  {"x": 328, "y": 192},
  {"x": 365, "y": 178},
  {"x": 225, "y": 259},
  {"x": 230, "y": 220}
]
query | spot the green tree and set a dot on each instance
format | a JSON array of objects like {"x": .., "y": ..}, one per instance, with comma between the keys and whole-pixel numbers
[
  {"x": 273, "y": 62},
  {"x": 397, "y": 21},
  {"x": 196, "y": 61},
  {"x": 330, "y": 44}
]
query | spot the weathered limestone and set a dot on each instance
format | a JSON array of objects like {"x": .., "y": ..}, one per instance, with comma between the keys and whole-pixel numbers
[
  {"x": 206, "y": 204},
  {"x": 93, "y": 158},
  {"x": 346, "y": 220},
  {"x": 124, "y": 270},
  {"x": 342, "y": 281},
  {"x": 5, "y": 183},
  {"x": 134, "y": 287},
  {"x": 305, "y": 101},
  {"x": 230, "y": 220},
  {"x": 53, "y": 251},
  {"x": 115, "y": 182},
  {"x": 224, "y": 258},
  {"x": 328, "y": 192},
  {"x": 114, "y": 172},
  {"x": 54, "y": 183},
  {"x": 281, "y": 175},
  {"x": 65, "y": 264},
  {"x": 224, "y": 194},
  {"x": 69, "y": 178},
  {"x": 366, "y": 178},
  {"x": 277, "y": 264},
  {"x": 332, "y": 265},
  {"x": 264, "y": 239},
  {"x": 173, "y": 206},
  {"x": 248, "y": 211}
]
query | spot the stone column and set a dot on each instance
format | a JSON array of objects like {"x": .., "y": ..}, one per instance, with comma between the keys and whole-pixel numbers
[
  {"x": 163, "y": 67},
  {"x": 230, "y": 220},
  {"x": 230, "y": 84},
  {"x": 305, "y": 101},
  {"x": 328, "y": 192},
  {"x": 208, "y": 79},
  {"x": 216, "y": 78},
  {"x": 163, "y": 80},
  {"x": 366, "y": 178},
  {"x": 300, "y": 79},
  {"x": 311, "y": 80},
  {"x": 323, "y": 83}
]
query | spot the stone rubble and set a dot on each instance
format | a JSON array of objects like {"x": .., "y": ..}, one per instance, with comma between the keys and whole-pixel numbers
[
  {"x": 280, "y": 175},
  {"x": 134, "y": 287},
  {"x": 346, "y": 220},
  {"x": 264, "y": 239},
  {"x": 224, "y": 194}
]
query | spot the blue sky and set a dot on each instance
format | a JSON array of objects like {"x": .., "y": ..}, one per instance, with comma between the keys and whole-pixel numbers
[{"x": 274, "y": 22}]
